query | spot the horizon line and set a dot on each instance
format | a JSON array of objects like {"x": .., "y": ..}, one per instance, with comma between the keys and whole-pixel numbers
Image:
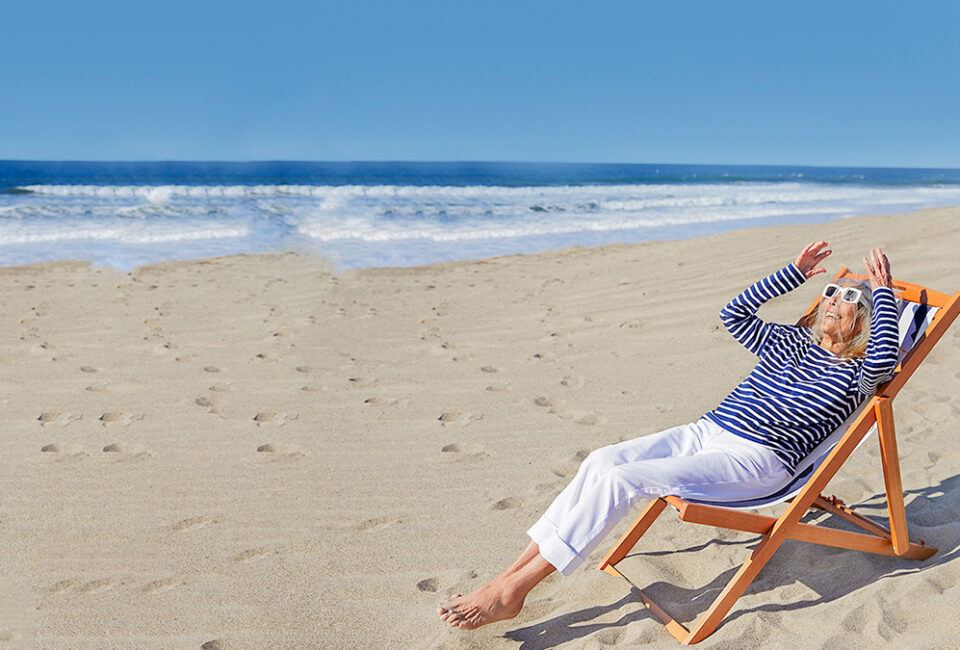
[{"x": 465, "y": 162}]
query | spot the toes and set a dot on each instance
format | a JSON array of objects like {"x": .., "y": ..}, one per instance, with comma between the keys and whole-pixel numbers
[
  {"x": 447, "y": 607},
  {"x": 448, "y": 615}
]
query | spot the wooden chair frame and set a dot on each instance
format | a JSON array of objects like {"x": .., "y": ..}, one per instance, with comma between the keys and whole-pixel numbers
[{"x": 877, "y": 539}]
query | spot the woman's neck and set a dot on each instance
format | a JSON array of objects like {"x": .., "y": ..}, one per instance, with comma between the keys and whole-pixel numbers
[{"x": 834, "y": 346}]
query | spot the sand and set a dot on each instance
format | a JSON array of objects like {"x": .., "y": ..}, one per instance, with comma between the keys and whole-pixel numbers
[{"x": 256, "y": 451}]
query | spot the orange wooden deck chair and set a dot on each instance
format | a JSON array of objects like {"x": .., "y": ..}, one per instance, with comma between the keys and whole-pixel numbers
[{"x": 924, "y": 317}]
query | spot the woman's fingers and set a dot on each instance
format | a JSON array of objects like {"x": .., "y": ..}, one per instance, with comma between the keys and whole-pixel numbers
[
  {"x": 884, "y": 262},
  {"x": 881, "y": 263},
  {"x": 815, "y": 249},
  {"x": 878, "y": 267},
  {"x": 811, "y": 255}
]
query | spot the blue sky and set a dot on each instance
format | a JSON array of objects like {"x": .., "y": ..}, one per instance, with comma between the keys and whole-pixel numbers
[{"x": 817, "y": 83}]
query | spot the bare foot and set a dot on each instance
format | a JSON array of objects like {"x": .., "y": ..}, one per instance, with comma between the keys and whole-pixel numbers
[{"x": 488, "y": 604}]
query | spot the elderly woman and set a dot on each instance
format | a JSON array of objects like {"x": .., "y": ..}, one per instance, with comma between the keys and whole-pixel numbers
[{"x": 809, "y": 379}]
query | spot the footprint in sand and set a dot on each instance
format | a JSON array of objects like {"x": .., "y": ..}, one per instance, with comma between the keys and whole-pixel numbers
[
  {"x": 203, "y": 401},
  {"x": 507, "y": 504},
  {"x": 215, "y": 644},
  {"x": 377, "y": 522},
  {"x": 458, "y": 453},
  {"x": 500, "y": 387},
  {"x": 160, "y": 585},
  {"x": 387, "y": 401},
  {"x": 59, "y": 452},
  {"x": 191, "y": 522},
  {"x": 273, "y": 417},
  {"x": 585, "y": 418},
  {"x": 88, "y": 369},
  {"x": 251, "y": 554},
  {"x": 96, "y": 585},
  {"x": 125, "y": 452},
  {"x": 52, "y": 416},
  {"x": 305, "y": 369},
  {"x": 274, "y": 451},
  {"x": 544, "y": 401},
  {"x": 312, "y": 388},
  {"x": 570, "y": 467},
  {"x": 211, "y": 369},
  {"x": 96, "y": 388},
  {"x": 221, "y": 388},
  {"x": 430, "y": 585},
  {"x": 362, "y": 382},
  {"x": 572, "y": 382},
  {"x": 60, "y": 587},
  {"x": 940, "y": 582},
  {"x": 489, "y": 369},
  {"x": 608, "y": 637},
  {"x": 115, "y": 417},
  {"x": 631, "y": 324}
]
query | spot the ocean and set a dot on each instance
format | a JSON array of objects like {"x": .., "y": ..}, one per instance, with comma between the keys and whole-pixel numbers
[{"x": 365, "y": 214}]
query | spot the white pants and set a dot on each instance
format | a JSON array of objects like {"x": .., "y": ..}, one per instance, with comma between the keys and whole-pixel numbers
[{"x": 699, "y": 460}]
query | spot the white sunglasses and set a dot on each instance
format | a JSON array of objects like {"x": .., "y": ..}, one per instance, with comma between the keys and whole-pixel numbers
[{"x": 847, "y": 294}]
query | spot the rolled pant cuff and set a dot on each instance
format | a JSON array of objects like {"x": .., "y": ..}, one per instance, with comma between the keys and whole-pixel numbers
[{"x": 553, "y": 549}]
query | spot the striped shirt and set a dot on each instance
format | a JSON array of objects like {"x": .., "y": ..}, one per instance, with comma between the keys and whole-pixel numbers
[{"x": 799, "y": 393}]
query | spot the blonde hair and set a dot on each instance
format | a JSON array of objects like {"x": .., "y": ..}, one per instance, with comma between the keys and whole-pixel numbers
[{"x": 857, "y": 346}]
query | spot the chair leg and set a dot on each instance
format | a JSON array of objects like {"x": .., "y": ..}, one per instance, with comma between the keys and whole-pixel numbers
[
  {"x": 891, "y": 476},
  {"x": 633, "y": 534},
  {"x": 712, "y": 618}
]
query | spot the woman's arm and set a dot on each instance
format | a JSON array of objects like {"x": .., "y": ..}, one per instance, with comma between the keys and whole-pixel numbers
[
  {"x": 883, "y": 348},
  {"x": 739, "y": 315}
]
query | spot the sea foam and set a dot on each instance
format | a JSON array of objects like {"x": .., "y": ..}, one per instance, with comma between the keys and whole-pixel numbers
[{"x": 374, "y": 224}]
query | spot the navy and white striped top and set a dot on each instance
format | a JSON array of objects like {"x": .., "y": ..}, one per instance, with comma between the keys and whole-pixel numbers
[{"x": 799, "y": 393}]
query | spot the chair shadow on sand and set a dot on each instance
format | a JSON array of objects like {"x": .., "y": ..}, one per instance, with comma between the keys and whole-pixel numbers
[{"x": 932, "y": 515}]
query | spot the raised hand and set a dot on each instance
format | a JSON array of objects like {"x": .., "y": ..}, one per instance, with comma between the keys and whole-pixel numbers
[
  {"x": 878, "y": 268},
  {"x": 811, "y": 256}
]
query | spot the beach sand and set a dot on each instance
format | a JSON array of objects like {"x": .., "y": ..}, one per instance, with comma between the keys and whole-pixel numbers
[{"x": 255, "y": 451}]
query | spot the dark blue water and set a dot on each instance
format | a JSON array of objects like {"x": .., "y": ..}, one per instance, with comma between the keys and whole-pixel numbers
[{"x": 14, "y": 174}]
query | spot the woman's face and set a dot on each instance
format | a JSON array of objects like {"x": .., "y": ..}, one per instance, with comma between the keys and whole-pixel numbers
[{"x": 837, "y": 318}]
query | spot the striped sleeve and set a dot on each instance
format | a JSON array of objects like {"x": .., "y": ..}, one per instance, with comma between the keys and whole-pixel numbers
[
  {"x": 883, "y": 348},
  {"x": 739, "y": 315}
]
